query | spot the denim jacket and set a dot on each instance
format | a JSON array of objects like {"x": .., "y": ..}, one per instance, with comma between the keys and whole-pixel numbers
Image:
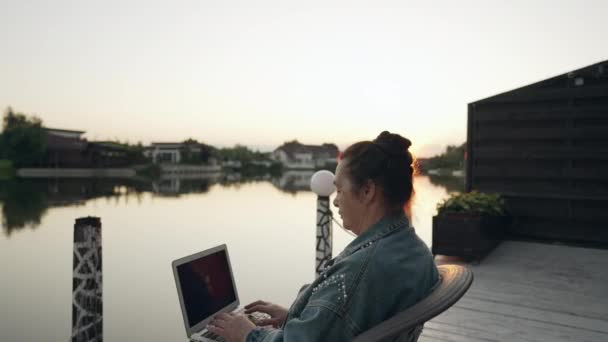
[{"x": 383, "y": 271}]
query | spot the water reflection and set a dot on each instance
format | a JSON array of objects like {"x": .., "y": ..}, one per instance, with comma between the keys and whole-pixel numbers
[
  {"x": 294, "y": 181},
  {"x": 178, "y": 186},
  {"x": 451, "y": 184},
  {"x": 23, "y": 204},
  {"x": 26, "y": 201}
]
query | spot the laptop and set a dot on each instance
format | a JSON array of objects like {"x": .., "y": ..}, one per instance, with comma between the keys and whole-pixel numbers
[{"x": 205, "y": 287}]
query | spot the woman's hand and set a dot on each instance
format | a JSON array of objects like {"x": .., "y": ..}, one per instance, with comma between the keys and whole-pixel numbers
[
  {"x": 232, "y": 327},
  {"x": 278, "y": 314}
]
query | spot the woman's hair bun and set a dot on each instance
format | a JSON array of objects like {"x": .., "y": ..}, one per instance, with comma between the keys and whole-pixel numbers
[
  {"x": 386, "y": 161},
  {"x": 393, "y": 144}
]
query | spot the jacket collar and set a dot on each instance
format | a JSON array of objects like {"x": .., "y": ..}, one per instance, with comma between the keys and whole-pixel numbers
[{"x": 378, "y": 230}]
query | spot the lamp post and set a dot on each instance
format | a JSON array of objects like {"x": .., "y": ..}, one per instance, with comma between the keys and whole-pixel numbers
[{"x": 322, "y": 183}]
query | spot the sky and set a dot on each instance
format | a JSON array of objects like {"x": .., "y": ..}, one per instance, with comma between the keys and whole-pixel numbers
[{"x": 260, "y": 73}]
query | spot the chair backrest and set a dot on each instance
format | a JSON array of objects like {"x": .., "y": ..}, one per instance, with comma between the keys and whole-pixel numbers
[{"x": 454, "y": 282}]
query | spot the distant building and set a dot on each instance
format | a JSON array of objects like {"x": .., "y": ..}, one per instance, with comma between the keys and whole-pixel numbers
[
  {"x": 294, "y": 155},
  {"x": 65, "y": 133},
  {"x": 109, "y": 154},
  {"x": 175, "y": 153},
  {"x": 232, "y": 164},
  {"x": 67, "y": 149},
  {"x": 166, "y": 152}
]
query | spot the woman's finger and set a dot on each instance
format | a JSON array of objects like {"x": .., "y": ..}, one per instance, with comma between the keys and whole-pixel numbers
[
  {"x": 270, "y": 321},
  {"x": 223, "y": 316},
  {"x": 220, "y": 319},
  {"x": 258, "y": 308},
  {"x": 257, "y": 302},
  {"x": 216, "y": 323},
  {"x": 216, "y": 329},
  {"x": 251, "y": 309}
]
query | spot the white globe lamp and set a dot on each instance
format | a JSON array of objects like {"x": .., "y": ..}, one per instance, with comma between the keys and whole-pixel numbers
[{"x": 322, "y": 183}]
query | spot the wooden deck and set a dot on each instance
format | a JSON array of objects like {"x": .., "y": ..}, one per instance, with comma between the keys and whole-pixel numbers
[{"x": 530, "y": 292}]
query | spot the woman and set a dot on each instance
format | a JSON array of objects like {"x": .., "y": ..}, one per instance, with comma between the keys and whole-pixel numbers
[{"x": 386, "y": 269}]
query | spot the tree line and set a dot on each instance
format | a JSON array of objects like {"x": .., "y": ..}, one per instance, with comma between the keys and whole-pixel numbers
[
  {"x": 452, "y": 158},
  {"x": 23, "y": 139},
  {"x": 23, "y": 143}
]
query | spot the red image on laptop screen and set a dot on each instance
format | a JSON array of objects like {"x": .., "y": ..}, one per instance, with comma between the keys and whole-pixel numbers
[{"x": 206, "y": 286}]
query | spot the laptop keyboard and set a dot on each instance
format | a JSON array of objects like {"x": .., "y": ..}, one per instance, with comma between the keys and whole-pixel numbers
[
  {"x": 213, "y": 336},
  {"x": 255, "y": 317}
]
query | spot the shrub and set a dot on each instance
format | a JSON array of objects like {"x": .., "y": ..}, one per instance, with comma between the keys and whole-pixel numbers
[{"x": 474, "y": 202}]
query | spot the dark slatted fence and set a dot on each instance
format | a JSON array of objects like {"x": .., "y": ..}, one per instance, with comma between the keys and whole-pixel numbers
[{"x": 545, "y": 148}]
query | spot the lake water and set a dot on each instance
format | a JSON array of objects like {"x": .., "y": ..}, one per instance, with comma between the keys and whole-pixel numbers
[{"x": 268, "y": 225}]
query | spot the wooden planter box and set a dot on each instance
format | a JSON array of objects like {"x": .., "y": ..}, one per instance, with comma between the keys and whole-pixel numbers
[{"x": 466, "y": 235}]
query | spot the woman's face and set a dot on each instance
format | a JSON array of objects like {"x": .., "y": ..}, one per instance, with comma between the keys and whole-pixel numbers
[{"x": 350, "y": 207}]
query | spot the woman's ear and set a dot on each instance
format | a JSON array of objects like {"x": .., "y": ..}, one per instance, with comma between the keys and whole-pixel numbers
[{"x": 368, "y": 191}]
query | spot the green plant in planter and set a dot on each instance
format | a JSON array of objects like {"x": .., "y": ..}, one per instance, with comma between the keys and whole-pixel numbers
[
  {"x": 469, "y": 224},
  {"x": 473, "y": 202},
  {"x": 6, "y": 169}
]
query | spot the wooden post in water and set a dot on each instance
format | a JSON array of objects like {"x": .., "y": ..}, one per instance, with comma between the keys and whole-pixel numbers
[
  {"x": 87, "y": 298},
  {"x": 324, "y": 233}
]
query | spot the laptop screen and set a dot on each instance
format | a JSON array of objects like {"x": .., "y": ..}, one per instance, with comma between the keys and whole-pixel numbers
[{"x": 206, "y": 285}]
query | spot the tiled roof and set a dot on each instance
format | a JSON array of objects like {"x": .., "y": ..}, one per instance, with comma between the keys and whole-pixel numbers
[
  {"x": 293, "y": 147},
  {"x": 62, "y": 130}
]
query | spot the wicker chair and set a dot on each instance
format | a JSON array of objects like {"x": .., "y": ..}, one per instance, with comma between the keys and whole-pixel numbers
[{"x": 407, "y": 325}]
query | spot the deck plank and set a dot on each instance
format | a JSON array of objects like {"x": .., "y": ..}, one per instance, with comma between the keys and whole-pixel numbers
[
  {"x": 524, "y": 311},
  {"x": 512, "y": 328},
  {"x": 531, "y": 292}
]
